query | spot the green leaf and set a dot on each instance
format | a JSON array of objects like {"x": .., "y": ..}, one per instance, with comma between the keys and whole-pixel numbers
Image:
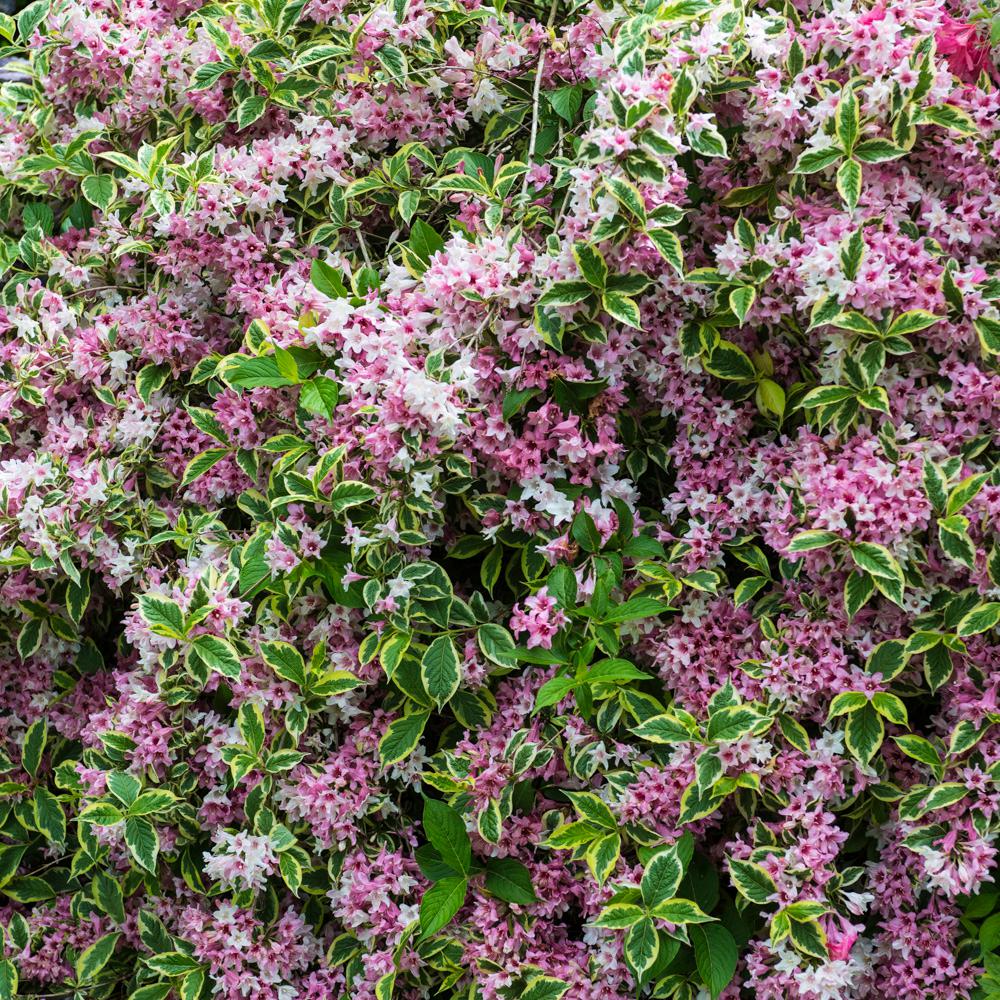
[
  {"x": 877, "y": 151},
  {"x": 94, "y": 958},
  {"x": 320, "y": 396},
  {"x": 627, "y": 195},
  {"x": 440, "y": 903},
  {"x": 634, "y": 609},
  {"x": 172, "y": 963},
  {"x": 858, "y": 589},
  {"x": 847, "y": 119},
  {"x": 100, "y": 190},
  {"x": 752, "y": 881},
  {"x": 29, "y": 638},
  {"x": 250, "y": 110},
  {"x": 291, "y": 871},
  {"x": 965, "y": 491},
  {"x": 393, "y": 60},
  {"x": 516, "y": 400},
  {"x": 807, "y": 541},
  {"x": 938, "y": 666},
  {"x": 732, "y": 722},
  {"x": 877, "y": 560},
  {"x": 681, "y": 911},
  {"x": 142, "y": 841},
  {"x": 125, "y": 787},
  {"x": 218, "y": 655},
  {"x": 856, "y": 322},
  {"x": 945, "y": 795},
  {"x": 875, "y": 398},
  {"x": 163, "y": 616},
  {"x": 592, "y": 808},
  {"x": 544, "y": 988},
  {"x": 150, "y": 379},
  {"x": 285, "y": 660},
  {"x": 440, "y": 669},
  {"x": 566, "y": 293},
  {"x": 446, "y": 831},
  {"x": 935, "y": 485},
  {"x": 328, "y": 279},
  {"x": 243, "y": 372},
  {"x": 669, "y": 246},
  {"x": 622, "y": 308},
  {"x": 664, "y": 728},
  {"x": 385, "y": 985},
  {"x": 617, "y": 916},
  {"x": 566, "y": 102},
  {"x": 591, "y": 264},
  {"x": 826, "y": 395},
  {"x": 102, "y": 814},
  {"x": 49, "y": 816},
  {"x": 707, "y": 141},
  {"x": 845, "y": 702},
  {"x": 864, "y": 733},
  {"x": 813, "y": 160},
  {"x": 496, "y": 644},
  {"x": 8, "y": 979},
  {"x": 661, "y": 877},
  {"x": 953, "y": 536},
  {"x": 989, "y": 334},
  {"x": 920, "y": 749},
  {"x": 730, "y": 362},
  {"x": 603, "y": 855},
  {"x": 715, "y": 955},
  {"x": 912, "y": 321},
  {"x": 424, "y": 241},
  {"x": 201, "y": 464},
  {"x": 282, "y": 760},
  {"x": 746, "y": 590},
  {"x": 108, "y": 895},
  {"x": 585, "y": 533},
  {"x": 251, "y": 725},
  {"x": 794, "y": 733},
  {"x": 980, "y": 619},
  {"x": 642, "y": 945},
  {"x": 349, "y": 493},
  {"x": 770, "y": 397},
  {"x": 553, "y": 691},
  {"x": 489, "y": 823},
  {"x": 888, "y": 658},
  {"x": 31, "y": 17},
  {"x": 741, "y": 300},
  {"x": 509, "y": 880},
  {"x": 33, "y": 746},
  {"x": 401, "y": 737},
  {"x": 28, "y": 889},
  {"x": 950, "y": 117},
  {"x": 849, "y": 183},
  {"x": 890, "y": 707},
  {"x": 809, "y": 937},
  {"x": 208, "y": 75},
  {"x": 391, "y": 650}
]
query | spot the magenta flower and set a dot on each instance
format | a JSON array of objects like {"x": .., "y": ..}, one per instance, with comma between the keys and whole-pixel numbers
[{"x": 966, "y": 51}]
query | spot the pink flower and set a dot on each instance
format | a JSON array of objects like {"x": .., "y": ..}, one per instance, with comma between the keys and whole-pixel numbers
[
  {"x": 964, "y": 49},
  {"x": 840, "y": 938},
  {"x": 540, "y": 618}
]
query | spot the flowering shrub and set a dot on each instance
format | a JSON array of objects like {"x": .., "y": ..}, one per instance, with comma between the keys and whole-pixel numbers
[{"x": 499, "y": 501}]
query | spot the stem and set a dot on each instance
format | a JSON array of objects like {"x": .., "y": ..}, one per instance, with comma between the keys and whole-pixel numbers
[{"x": 535, "y": 98}]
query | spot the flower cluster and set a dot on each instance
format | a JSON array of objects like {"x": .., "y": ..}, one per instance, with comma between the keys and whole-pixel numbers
[{"x": 500, "y": 501}]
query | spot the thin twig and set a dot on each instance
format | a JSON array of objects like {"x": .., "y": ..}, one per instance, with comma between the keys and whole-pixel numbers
[{"x": 536, "y": 95}]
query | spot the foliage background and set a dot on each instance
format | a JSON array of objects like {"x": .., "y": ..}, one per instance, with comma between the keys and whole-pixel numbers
[{"x": 499, "y": 500}]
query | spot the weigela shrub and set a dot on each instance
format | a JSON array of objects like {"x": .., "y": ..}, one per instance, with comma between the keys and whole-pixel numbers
[{"x": 498, "y": 500}]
